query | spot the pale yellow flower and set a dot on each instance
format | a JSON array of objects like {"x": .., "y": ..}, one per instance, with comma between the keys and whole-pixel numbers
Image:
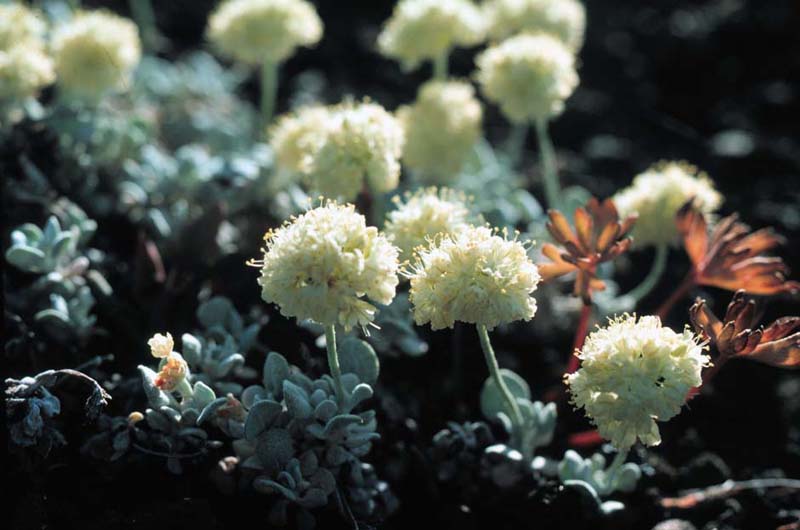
[
  {"x": 425, "y": 29},
  {"x": 161, "y": 345},
  {"x": 442, "y": 127},
  {"x": 297, "y": 136},
  {"x": 476, "y": 276},
  {"x": 361, "y": 150},
  {"x": 258, "y": 31},
  {"x": 95, "y": 52},
  {"x": 633, "y": 373},
  {"x": 564, "y": 19},
  {"x": 656, "y": 196},
  {"x": 325, "y": 264},
  {"x": 528, "y": 76},
  {"x": 24, "y": 70},
  {"x": 20, "y": 26}
]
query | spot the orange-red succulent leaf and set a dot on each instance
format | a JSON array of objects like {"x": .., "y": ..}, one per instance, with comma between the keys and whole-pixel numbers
[
  {"x": 781, "y": 328},
  {"x": 783, "y": 353}
]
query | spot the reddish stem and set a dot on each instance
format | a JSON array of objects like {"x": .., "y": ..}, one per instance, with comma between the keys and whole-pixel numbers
[
  {"x": 585, "y": 439},
  {"x": 580, "y": 337},
  {"x": 676, "y": 295}
]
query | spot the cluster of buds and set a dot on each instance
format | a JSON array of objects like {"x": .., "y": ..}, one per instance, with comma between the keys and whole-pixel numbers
[{"x": 173, "y": 369}]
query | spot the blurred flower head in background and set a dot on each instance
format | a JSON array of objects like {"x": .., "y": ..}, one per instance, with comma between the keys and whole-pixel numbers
[
  {"x": 563, "y": 19},
  {"x": 24, "y": 71},
  {"x": 258, "y": 31},
  {"x": 529, "y": 76},
  {"x": 426, "y": 29},
  {"x": 441, "y": 126},
  {"x": 21, "y": 25}
]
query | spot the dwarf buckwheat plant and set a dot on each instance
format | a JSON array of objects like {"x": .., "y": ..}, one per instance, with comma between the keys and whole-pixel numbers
[
  {"x": 95, "y": 52},
  {"x": 442, "y": 127},
  {"x": 564, "y": 19},
  {"x": 296, "y": 136},
  {"x": 421, "y": 30}
]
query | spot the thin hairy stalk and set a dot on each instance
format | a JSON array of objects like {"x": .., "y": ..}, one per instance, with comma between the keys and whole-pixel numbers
[
  {"x": 440, "y": 66},
  {"x": 333, "y": 360},
  {"x": 269, "y": 91},
  {"x": 552, "y": 188},
  {"x": 580, "y": 337},
  {"x": 494, "y": 372},
  {"x": 515, "y": 143},
  {"x": 727, "y": 489},
  {"x": 651, "y": 280},
  {"x": 143, "y": 14},
  {"x": 676, "y": 295}
]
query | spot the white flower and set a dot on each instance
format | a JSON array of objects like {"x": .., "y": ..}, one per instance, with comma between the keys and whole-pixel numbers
[
  {"x": 425, "y": 29},
  {"x": 94, "y": 52},
  {"x": 24, "y": 70},
  {"x": 20, "y": 26},
  {"x": 161, "y": 345},
  {"x": 361, "y": 149},
  {"x": 421, "y": 216},
  {"x": 474, "y": 276},
  {"x": 633, "y": 373},
  {"x": 255, "y": 31},
  {"x": 296, "y": 136},
  {"x": 528, "y": 76},
  {"x": 656, "y": 196},
  {"x": 442, "y": 127},
  {"x": 324, "y": 264},
  {"x": 563, "y": 19}
]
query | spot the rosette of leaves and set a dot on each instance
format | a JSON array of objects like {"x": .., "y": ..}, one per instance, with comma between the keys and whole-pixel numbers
[
  {"x": 32, "y": 409},
  {"x": 538, "y": 419},
  {"x": 216, "y": 353},
  {"x": 173, "y": 432},
  {"x": 457, "y": 451},
  {"x": 595, "y": 480},
  {"x": 69, "y": 314},
  {"x": 113, "y": 439},
  {"x": 302, "y": 441},
  {"x": 43, "y": 251}
]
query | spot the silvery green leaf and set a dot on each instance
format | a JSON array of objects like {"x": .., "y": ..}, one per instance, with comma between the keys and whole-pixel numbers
[
  {"x": 326, "y": 410},
  {"x": 336, "y": 456},
  {"x": 276, "y": 370},
  {"x": 211, "y": 409},
  {"x": 358, "y": 357},
  {"x": 192, "y": 349},
  {"x": 62, "y": 245},
  {"x": 324, "y": 480},
  {"x": 248, "y": 337},
  {"x": 215, "y": 312},
  {"x": 260, "y": 418},
  {"x": 155, "y": 396},
  {"x": 585, "y": 489},
  {"x": 229, "y": 364},
  {"x": 203, "y": 395},
  {"x": 336, "y": 427},
  {"x": 317, "y": 397},
  {"x": 627, "y": 477},
  {"x": 158, "y": 420},
  {"x": 360, "y": 393},
  {"x": 52, "y": 316},
  {"x": 51, "y": 231},
  {"x": 31, "y": 232},
  {"x": 28, "y": 259},
  {"x": 296, "y": 400},
  {"x": 492, "y": 402},
  {"x": 253, "y": 394},
  {"x": 275, "y": 448},
  {"x": 193, "y": 432},
  {"x": 268, "y": 486},
  {"x": 609, "y": 507},
  {"x": 309, "y": 464},
  {"x": 313, "y": 498}
]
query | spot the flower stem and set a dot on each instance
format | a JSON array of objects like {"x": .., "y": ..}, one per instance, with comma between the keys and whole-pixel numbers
[
  {"x": 515, "y": 144},
  {"x": 494, "y": 372},
  {"x": 333, "y": 360},
  {"x": 143, "y": 14},
  {"x": 440, "y": 66},
  {"x": 269, "y": 91},
  {"x": 651, "y": 280},
  {"x": 679, "y": 293},
  {"x": 580, "y": 337},
  {"x": 552, "y": 188}
]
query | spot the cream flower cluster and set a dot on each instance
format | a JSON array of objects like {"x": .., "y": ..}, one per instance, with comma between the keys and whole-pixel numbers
[
  {"x": 529, "y": 76},
  {"x": 20, "y": 25},
  {"x": 296, "y": 136},
  {"x": 656, "y": 196},
  {"x": 419, "y": 30},
  {"x": 475, "y": 276},
  {"x": 564, "y": 19},
  {"x": 173, "y": 369},
  {"x": 255, "y": 31},
  {"x": 323, "y": 264},
  {"x": 95, "y": 52},
  {"x": 24, "y": 66},
  {"x": 361, "y": 148},
  {"x": 441, "y": 128},
  {"x": 635, "y": 372},
  {"x": 427, "y": 213}
]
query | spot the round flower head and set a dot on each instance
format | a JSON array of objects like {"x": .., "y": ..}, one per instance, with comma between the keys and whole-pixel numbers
[
  {"x": 425, "y": 29},
  {"x": 563, "y": 19},
  {"x": 20, "y": 25},
  {"x": 441, "y": 128},
  {"x": 95, "y": 52},
  {"x": 421, "y": 216},
  {"x": 474, "y": 276},
  {"x": 258, "y": 31},
  {"x": 161, "y": 345},
  {"x": 529, "y": 76},
  {"x": 635, "y": 372},
  {"x": 323, "y": 264},
  {"x": 296, "y": 136},
  {"x": 656, "y": 196},
  {"x": 23, "y": 71},
  {"x": 361, "y": 149}
]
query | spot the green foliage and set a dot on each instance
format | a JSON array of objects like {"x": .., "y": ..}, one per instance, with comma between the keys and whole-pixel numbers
[{"x": 42, "y": 251}]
